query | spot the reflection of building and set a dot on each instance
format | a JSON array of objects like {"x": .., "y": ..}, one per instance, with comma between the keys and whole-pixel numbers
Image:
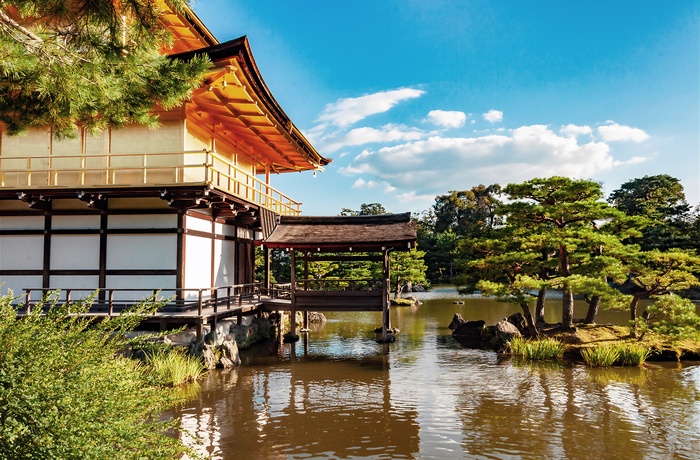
[
  {"x": 304, "y": 407},
  {"x": 175, "y": 208}
]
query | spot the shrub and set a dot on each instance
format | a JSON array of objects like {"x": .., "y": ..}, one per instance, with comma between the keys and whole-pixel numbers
[
  {"x": 602, "y": 356},
  {"x": 66, "y": 391},
  {"x": 541, "y": 349},
  {"x": 673, "y": 316}
]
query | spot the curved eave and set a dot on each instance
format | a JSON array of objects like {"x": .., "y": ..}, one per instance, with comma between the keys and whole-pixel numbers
[
  {"x": 235, "y": 98},
  {"x": 189, "y": 32}
]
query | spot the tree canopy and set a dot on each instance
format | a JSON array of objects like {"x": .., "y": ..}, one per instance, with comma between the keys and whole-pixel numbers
[{"x": 67, "y": 64}]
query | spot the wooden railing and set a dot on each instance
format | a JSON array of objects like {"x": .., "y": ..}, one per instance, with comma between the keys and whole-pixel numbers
[
  {"x": 143, "y": 169},
  {"x": 330, "y": 285},
  {"x": 114, "y": 300}
]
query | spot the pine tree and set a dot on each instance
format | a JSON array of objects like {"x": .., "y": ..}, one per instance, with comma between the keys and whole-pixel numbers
[{"x": 66, "y": 64}]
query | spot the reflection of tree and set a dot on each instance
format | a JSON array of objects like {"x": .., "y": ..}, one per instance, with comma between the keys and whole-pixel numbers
[{"x": 576, "y": 412}]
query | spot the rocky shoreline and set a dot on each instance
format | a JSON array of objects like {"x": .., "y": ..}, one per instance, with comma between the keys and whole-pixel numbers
[{"x": 476, "y": 334}]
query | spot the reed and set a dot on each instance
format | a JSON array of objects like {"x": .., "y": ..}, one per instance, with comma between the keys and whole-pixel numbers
[
  {"x": 633, "y": 354},
  {"x": 601, "y": 356},
  {"x": 172, "y": 368},
  {"x": 541, "y": 349}
]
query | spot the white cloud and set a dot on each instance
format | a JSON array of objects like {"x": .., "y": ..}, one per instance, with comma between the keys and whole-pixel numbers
[
  {"x": 372, "y": 184},
  {"x": 446, "y": 118},
  {"x": 575, "y": 131},
  {"x": 615, "y": 132},
  {"x": 632, "y": 161},
  {"x": 360, "y": 136},
  {"x": 347, "y": 111},
  {"x": 434, "y": 165},
  {"x": 493, "y": 116}
]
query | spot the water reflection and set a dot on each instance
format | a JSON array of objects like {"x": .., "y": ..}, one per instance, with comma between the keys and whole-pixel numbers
[{"x": 342, "y": 395}]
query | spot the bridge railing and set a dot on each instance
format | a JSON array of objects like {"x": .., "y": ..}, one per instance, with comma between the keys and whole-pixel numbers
[{"x": 114, "y": 300}]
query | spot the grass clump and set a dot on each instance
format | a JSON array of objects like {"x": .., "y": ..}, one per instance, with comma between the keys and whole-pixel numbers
[
  {"x": 540, "y": 349},
  {"x": 633, "y": 354},
  {"x": 172, "y": 368},
  {"x": 603, "y": 356}
]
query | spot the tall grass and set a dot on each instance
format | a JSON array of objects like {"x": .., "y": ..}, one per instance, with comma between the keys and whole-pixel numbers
[
  {"x": 624, "y": 354},
  {"x": 633, "y": 354},
  {"x": 603, "y": 356},
  {"x": 173, "y": 367},
  {"x": 541, "y": 349}
]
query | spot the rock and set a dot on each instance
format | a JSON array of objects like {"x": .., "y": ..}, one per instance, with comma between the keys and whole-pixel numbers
[
  {"x": 229, "y": 354},
  {"x": 469, "y": 333},
  {"x": 390, "y": 335},
  {"x": 264, "y": 328},
  {"x": 214, "y": 338},
  {"x": 503, "y": 332},
  {"x": 222, "y": 354},
  {"x": 316, "y": 317},
  {"x": 456, "y": 321},
  {"x": 518, "y": 320}
]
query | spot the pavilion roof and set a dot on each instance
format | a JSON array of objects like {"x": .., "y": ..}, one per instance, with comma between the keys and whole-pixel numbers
[
  {"x": 344, "y": 233},
  {"x": 235, "y": 100}
]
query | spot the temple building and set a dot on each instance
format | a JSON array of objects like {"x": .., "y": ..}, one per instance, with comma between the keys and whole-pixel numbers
[{"x": 177, "y": 208}]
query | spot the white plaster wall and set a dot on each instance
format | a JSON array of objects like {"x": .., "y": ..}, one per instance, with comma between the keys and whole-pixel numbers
[
  {"x": 75, "y": 252},
  {"x": 17, "y": 283},
  {"x": 198, "y": 262},
  {"x": 141, "y": 251},
  {"x": 193, "y": 223},
  {"x": 75, "y": 222},
  {"x": 21, "y": 252},
  {"x": 224, "y": 266},
  {"x": 22, "y": 223},
  {"x": 82, "y": 286},
  {"x": 147, "y": 282},
  {"x": 142, "y": 221}
]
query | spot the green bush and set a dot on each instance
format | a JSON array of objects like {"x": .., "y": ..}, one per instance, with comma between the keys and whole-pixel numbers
[
  {"x": 67, "y": 392},
  {"x": 674, "y": 317}
]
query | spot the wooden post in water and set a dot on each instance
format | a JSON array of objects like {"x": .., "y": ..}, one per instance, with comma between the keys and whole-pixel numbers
[
  {"x": 386, "y": 319},
  {"x": 293, "y": 313}
]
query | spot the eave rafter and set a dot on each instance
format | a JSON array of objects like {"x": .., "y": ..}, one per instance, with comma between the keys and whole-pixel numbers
[
  {"x": 210, "y": 122},
  {"x": 235, "y": 94}
]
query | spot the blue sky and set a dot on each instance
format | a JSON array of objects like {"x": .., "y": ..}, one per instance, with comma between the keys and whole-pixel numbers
[{"x": 414, "y": 98}]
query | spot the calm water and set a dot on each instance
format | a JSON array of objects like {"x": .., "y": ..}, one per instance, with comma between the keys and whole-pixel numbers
[{"x": 339, "y": 394}]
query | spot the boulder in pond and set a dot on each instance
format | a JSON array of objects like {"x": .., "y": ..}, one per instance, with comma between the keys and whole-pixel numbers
[
  {"x": 468, "y": 333},
  {"x": 457, "y": 320}
]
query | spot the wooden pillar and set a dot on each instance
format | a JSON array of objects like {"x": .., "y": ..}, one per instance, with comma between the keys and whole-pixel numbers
[
  {"x": 386, "y": 318},
  {"x": 292, "y": 278},
  {"x": 266, "y": 251}
]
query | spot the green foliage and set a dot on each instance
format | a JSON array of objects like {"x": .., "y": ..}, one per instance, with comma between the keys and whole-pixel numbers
[
  {"x": 67, "y": 392},
  {"x": 66, "y": 64},
  {"x": 464, "y": 214},
  {"x": 601, "y": 356},
  {"x": 674, "y": 317},
  {"x": 661, "y": 201},
  {"x": 540, "y": 349}
]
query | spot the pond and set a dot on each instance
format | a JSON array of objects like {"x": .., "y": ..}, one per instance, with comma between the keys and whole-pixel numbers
[{"x": 337, "y": 394}]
